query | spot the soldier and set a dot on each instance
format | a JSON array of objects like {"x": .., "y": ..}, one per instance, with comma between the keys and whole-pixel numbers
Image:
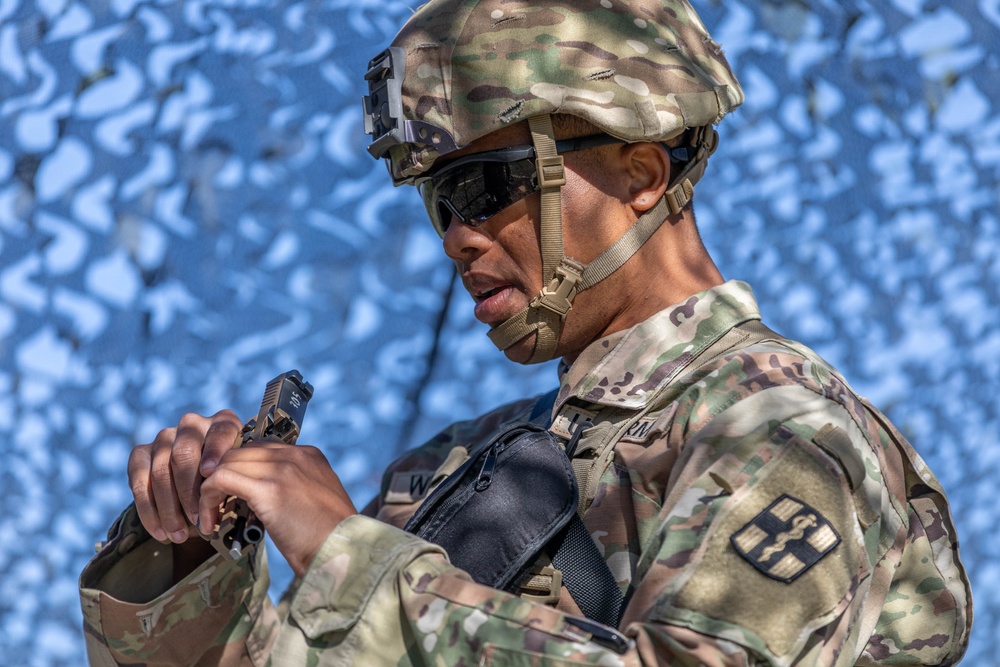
[{"x": 747, "y": 507}]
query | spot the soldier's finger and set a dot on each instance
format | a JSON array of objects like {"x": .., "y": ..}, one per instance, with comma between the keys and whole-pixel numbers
[
  {"x": 223, "y": 483},
  {"x": 220, "y": 438},
  {"x": 139, "y": 481},
  {"x": 259, "y": 450},
  {"x": 162, "y": 482},
  {"x": 194, "y": 433}
]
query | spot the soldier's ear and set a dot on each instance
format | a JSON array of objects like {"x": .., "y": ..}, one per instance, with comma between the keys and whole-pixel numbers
[{"x": 648, "y": 167}]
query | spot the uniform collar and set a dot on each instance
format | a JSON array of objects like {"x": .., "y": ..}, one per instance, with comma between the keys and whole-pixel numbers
[{"x": 627, "y": 368}]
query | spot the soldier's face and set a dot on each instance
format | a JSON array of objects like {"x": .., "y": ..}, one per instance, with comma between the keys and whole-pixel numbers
[{"x": 500, "y": 260}]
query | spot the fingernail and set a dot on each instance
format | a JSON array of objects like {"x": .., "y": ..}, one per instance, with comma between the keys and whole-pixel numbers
[
  {"x": 179, "y": 536},
  {"x": 207, "y": 466},
  {"x": 193, "y": 518},
  {"x": 160, "y": 535}
]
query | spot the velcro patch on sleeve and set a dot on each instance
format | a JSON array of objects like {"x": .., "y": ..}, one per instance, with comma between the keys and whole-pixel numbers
[
  {"x": 409, "y": 486},
  {"x": 786, "y": 539},
  {"x": 783, "y": 555}
]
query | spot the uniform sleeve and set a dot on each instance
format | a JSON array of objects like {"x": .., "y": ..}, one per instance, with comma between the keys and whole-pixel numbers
[
  {"x": 760, "y": 557},
  {"x": 376, "y": 595},
  {"x": 219, "y": 614},
  {"x": 787, "y": 534}
]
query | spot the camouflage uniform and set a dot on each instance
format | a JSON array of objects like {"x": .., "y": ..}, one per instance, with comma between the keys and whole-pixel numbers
[{"x": 758, "y": 513}]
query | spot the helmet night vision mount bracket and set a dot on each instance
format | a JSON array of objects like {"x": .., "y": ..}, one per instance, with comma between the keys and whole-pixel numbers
[{"x": 383, "y": 108}]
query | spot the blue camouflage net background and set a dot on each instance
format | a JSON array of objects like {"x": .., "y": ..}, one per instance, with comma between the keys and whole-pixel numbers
[{"x": 187, "y": 209}]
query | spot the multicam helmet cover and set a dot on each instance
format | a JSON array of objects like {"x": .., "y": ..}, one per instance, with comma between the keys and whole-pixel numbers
[{"x": 640, "y": 70}]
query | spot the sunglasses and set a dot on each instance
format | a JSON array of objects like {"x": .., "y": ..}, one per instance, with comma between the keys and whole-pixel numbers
[{"x": 478, "y": 186}]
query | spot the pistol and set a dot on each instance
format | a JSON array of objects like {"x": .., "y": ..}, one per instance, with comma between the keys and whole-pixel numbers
[{"x": 278, "y": 420}]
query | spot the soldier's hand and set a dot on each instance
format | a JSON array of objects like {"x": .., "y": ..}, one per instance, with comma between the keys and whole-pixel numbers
[
  {"x": 291, "y": 488},
  {"x": 166, "y": 475}
]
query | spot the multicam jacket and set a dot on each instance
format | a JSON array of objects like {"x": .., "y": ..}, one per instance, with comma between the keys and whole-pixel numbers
[{"x": 758, "y": 513}]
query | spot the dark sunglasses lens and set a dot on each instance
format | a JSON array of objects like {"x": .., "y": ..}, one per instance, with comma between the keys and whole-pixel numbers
[
  {"x": 436, "y": 210},
  {"x": 477, "y": 191}
]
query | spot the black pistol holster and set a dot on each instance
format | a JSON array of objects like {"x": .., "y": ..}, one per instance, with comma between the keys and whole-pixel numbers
[
  {"x": 514, "y": 499},
  {"x": 495, "y": 513}
]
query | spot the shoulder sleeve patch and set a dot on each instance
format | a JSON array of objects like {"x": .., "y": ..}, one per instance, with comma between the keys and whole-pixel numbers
[
  {"x": 781, "y": 558},
  {"x": 786, "y": 539}
]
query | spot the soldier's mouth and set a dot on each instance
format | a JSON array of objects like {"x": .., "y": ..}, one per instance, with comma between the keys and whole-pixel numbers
[
  {"x": 482, "y": 295},
  {"x": 493, "y": 304}
]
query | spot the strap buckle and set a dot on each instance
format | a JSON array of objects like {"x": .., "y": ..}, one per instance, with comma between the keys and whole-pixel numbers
[
  {"x": 704, "y": 143},
  {"x": 679, "y": 195},
  {"x": 551, "y": 172},
  {"x": 543, "y": 587},
  {"x": 559, "y": 294}
]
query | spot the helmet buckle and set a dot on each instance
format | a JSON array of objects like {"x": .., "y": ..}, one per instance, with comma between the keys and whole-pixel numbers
[
  {"x": 558, "y": 295},
  {"x": 679, "y": 195},
  {"x": 551, "y": 171}
]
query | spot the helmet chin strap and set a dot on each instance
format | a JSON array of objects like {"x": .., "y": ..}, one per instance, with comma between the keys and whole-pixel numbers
[{"x": 547, "y": 311}]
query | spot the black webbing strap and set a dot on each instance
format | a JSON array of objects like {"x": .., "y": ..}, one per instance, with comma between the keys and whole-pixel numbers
[{"x": 585, "y": 573}]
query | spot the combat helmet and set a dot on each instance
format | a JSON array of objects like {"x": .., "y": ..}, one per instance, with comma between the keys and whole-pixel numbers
[{"x": 639, "y": 70}]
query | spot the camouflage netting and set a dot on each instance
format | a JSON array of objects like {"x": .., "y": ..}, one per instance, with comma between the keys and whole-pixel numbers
[{"x": 187, "y": 209}]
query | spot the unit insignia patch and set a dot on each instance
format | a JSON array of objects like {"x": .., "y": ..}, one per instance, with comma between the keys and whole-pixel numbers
[{"x": 786, "y": 539}]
